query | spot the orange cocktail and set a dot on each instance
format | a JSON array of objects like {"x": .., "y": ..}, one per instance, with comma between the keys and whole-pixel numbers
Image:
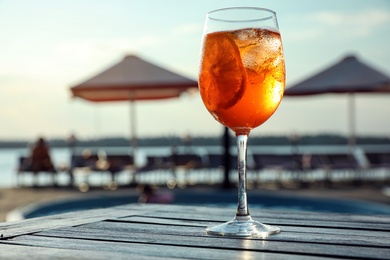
[
  {"x": 241, "y": 81},
  {"x": 242, "y": 76}
]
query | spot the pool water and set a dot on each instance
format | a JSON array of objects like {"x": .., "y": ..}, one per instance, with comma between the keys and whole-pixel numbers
[{"x": 222, "y": 198}]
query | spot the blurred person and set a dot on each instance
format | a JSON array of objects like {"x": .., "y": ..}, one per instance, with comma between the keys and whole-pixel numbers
[
  {"x": 40, "y": 160},
  {"x": 151, "y": 195}
]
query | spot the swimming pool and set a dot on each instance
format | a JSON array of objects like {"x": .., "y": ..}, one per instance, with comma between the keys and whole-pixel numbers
[{"x": 211, "y": 198}]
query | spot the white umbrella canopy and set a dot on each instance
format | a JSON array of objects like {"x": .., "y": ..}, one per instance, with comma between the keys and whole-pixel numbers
[
  {"x": 349, "y": 76},
  {"x": 133, "y": 79}
]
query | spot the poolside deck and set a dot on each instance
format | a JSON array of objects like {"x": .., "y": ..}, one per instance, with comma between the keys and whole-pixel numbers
[{"x": 154, "y": 231}]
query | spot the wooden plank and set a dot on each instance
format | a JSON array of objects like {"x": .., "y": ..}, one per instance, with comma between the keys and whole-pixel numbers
[
  {"x": 9, "y": 251},
  {"x": 300, "y": 236},
  {"x": 278, "y": 214},
  {"x": 196, "y": 223},
  {"x": 330, "y": 222},
  {"x": 331, "y": 245},
  {"x": 222, "y": 216},
  {"x": 37, "y": 246},
  {"x": 11, "y": 229}
]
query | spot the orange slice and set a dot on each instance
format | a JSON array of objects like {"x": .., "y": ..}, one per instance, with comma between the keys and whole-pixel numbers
[{"x": 222, "y": 76}]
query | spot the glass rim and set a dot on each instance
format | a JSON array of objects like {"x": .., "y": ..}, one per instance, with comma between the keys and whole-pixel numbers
[{"x": 272, "y": 12}]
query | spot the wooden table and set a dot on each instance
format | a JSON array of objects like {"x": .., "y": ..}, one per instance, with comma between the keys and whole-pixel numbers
[{"x": 170, "y": 231}]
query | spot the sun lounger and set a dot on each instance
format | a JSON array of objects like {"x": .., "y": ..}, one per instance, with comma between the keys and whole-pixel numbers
[
  {"x": 25, "y": 167},
  {"x": 88, "y": 163}
]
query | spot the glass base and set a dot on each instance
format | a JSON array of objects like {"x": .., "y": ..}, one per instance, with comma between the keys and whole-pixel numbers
[{"x": 243, "y": 226}]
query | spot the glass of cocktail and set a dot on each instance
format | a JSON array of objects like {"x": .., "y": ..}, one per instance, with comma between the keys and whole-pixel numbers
[{"x": 241, "y": 82}]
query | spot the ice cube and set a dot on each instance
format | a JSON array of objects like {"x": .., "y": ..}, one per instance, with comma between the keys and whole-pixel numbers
[{"x": 257, "y": 46}]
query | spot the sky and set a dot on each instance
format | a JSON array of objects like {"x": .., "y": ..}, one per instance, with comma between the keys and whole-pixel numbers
[{"x": 49, "y": 46}]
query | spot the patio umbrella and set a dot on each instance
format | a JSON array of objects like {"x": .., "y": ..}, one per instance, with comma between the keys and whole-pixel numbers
[
  {"x": 349, "y": 76},
  {"x": 133, "y": 79}
]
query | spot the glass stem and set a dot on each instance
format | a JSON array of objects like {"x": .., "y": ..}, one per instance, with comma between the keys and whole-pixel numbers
[{"x": 242, "y": 209}]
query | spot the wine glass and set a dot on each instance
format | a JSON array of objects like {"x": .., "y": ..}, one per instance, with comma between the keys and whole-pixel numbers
[{"x": 241, "y": 82}]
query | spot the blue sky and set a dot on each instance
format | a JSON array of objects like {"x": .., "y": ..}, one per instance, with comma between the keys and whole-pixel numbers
[{"x": 49, "y": 46}]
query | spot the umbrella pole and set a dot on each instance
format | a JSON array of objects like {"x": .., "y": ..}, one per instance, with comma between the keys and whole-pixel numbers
[
  {"x": 352, "y": 122},
  {"x": 133, "y": 139}
]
